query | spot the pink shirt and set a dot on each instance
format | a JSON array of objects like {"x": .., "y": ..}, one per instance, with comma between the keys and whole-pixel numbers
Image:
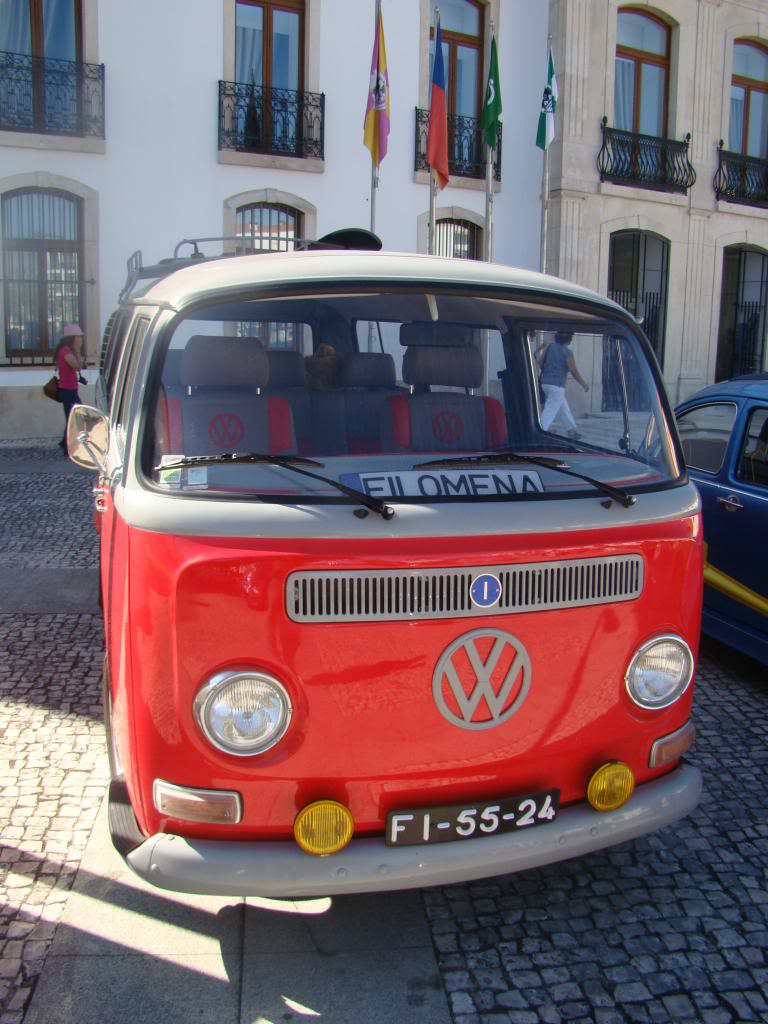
[{"x": 67, "y": 374}]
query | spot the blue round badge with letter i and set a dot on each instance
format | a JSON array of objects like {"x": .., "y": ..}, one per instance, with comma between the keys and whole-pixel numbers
[{"x": 485, "y": 590}]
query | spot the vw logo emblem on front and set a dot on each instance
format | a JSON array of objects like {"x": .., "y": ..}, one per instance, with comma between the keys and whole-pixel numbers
[{"x": 495, "y": 674}]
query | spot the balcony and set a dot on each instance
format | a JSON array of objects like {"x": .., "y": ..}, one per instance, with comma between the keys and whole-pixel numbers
[
  {"x": 741, "y": 179},
  {"x": 466, "y": 150},
  {"x": 51, "y": 97},
  {"x": 645, "y": 161},
  {"x": 277, "y": 122}
]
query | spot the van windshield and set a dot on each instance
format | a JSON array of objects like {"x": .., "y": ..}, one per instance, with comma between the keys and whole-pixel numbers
[{"x": 404, "y": 395}]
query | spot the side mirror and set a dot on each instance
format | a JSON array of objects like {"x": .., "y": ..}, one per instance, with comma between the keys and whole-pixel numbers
[{"x": 88, "y": 437}]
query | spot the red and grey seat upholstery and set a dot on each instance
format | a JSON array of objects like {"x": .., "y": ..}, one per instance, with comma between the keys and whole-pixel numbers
[
  {"x": 368, "y": 380},
  {"x": 453, "y": 420},
  {"x": 222, "y": 408},
  {"x": 288, "y": 380}
]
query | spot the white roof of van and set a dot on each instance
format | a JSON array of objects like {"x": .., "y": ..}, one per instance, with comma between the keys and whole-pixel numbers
[{"x": 325, "y": 267}]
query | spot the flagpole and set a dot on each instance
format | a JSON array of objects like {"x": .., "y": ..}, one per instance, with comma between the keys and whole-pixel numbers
[
  {"x": 545, "y": 191},
  {"x": 432, "y": 179},
  {"x": 374, "y": 165},
  {"x": 432, "y": 194},
  {"x": 488, "y": 255},
  {"x": 544, "y": 212}
]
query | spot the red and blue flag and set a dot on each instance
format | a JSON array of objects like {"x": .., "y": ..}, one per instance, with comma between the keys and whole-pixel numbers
[{"x": 437, "y": 139}]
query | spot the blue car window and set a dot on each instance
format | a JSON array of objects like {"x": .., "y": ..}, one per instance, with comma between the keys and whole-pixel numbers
[
  {"x": 705, "y": 432},
  {"x": 753, "y": 464}
]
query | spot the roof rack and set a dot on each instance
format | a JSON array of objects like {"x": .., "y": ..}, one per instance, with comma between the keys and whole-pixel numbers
[{"x": 343, "y": 238}]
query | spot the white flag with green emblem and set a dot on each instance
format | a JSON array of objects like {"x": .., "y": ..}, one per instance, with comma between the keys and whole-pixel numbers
[{"x": 546, "y": 131}]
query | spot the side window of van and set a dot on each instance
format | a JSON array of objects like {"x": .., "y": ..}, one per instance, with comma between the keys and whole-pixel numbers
[
  {"x": 127, "y": 371},
  {"x": 114, "y": 339}
]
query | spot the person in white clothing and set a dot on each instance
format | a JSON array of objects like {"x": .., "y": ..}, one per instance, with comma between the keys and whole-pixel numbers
[{"x": 556, "y": 361}]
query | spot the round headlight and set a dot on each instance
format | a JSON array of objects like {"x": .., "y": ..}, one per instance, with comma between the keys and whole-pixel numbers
[
  {"x": 659, "y": 672},
  {"x": 243, "y": 712}
]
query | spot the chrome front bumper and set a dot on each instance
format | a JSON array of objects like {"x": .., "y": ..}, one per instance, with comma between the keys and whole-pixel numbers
[{"x": 283, "y": 870}]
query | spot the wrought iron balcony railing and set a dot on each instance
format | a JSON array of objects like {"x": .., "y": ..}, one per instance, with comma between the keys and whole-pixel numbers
[
  {"x": 645, "y": 161},
  {"x": 741, "y": 179},
  {"x": 466, "y": 151},
  {"x": 281, "y": 122},
  {"x": 53, "y": 97}
]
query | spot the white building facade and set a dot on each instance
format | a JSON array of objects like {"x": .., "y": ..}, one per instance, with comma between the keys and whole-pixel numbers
[
  {"x": 659, "y": 174},
  {"x": 133, "y": 126}
]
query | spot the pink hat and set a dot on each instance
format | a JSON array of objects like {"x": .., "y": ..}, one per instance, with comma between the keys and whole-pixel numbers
[{"x": 72, "y": 331}]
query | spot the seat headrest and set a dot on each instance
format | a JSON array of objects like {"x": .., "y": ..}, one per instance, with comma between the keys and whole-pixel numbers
[
  {"x": 443, "y": 365},
  {"x": 367, "y": 370},
  {"x": 286, "y": 368},
  {"x": 439, "y": 332},
  {"x": 224, "y": 362}
]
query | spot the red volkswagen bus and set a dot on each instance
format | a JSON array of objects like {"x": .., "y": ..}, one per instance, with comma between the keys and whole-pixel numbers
[{"x": 401, "y": 574}]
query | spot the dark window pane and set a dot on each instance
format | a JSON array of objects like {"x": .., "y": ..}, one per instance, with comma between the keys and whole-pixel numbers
[
  {"x": 624, "y": 94},
  {"x": 59, "y": 32},
  {"x": 15, "y": 29},
  {"x": 467, "y": 71},
  {"x": 249, "y": 44},
  {"x": 22, "y": 319},
  {"x": 41, "y": 268},
  {"x": 637, "y": 279},
  {"x": 457, "y": 238},
  {"x": 736, "y": 124},
  {"x": 652, "y": 92},
  {"x": 285, "y": 49},
  {"x": 753, "y": 465},
  {"x": 757, "y": 133}
]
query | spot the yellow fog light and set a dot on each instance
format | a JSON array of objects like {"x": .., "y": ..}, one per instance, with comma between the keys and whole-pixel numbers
[
  {"x": 323, "y": 827},
  {"x": 611, "y": 786}
]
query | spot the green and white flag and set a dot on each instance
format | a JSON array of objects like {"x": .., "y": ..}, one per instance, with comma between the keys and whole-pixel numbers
[
  {"x": 546, "y": 131},
  {"x": 489, "y": 119}
]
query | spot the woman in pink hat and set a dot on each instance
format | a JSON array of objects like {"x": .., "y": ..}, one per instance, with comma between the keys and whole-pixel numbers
[{"x": 69, "y": 358}]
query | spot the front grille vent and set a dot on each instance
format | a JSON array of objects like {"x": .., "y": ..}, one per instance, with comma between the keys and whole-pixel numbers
[{"x": 381, "y": 595}]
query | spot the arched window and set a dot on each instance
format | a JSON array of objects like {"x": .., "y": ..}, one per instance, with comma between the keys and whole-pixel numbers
[
  {"x": 641, "y": 85},
  {"x": 461, "y": 28},
  {"x": 268, "y": 226},
  {"x": 748, "y": 128},
  {"x": 638, "y": 270},
  {"x": 42, "y": 268},
  {"x": 741, "y": 334},
  {"x": 458, "y": 238}
]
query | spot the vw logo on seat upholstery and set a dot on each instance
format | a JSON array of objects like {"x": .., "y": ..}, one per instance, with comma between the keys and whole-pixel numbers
[{"x": 481, "y": 679}]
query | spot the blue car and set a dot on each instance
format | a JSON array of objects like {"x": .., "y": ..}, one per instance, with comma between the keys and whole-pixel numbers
[{"x": 724, "y": 432}]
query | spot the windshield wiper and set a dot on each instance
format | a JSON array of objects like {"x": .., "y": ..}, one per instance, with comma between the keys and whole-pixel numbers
[
  {"x": 499, "y": 458},
  {"x": 292, "y": 462}
]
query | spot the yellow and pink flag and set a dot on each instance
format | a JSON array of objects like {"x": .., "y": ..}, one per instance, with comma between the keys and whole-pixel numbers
[{"x": 377, "y": 112}]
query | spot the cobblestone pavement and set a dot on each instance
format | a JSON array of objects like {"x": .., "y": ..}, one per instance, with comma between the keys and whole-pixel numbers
[
  {"x": 53, "y": 767},
  {"x": 669, "y": 928}
]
